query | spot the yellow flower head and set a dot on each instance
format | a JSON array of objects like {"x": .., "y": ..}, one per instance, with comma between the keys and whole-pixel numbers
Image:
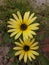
[
  {"x": 26, "y": 49},
  {"x": 25, "y": 26}
]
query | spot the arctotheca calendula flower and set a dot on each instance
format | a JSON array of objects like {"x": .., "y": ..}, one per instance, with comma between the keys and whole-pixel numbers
[
  {"x": 25, "y": 25},
  {"x": 26, "y": 49}
]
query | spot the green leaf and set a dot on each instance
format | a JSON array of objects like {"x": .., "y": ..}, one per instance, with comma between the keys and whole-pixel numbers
[
  {"x": 14, "y": 63},
  {"x": 41, "y": 37},
  {"x": 7, "y": 39},
  {"x": 11, "y": 53},
  {"x": 31, "y": 63},
  {"x": 43, "y": 60}
]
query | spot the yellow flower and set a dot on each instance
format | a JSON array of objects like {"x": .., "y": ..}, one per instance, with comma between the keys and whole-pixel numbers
[
  {"x": 25, "y": 26},
  {"x": 26, "y": 49}
]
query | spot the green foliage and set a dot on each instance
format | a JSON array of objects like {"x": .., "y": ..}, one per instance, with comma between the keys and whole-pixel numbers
[
  {"x": 12, "y": 7},
  {"x": 41, "y": 37},
  {"x": 11, "y": 53},
  {"x": 7, "y": 39},
  {"x": 43, "y": 60}
]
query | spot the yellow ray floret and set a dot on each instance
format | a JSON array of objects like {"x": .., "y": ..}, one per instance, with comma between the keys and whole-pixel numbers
[
  {"x": 22, "y": 25},
  {"x": 26, "y": 49}
]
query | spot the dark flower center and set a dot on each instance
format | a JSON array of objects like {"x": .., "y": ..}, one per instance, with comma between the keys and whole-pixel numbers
[
  {"x": 23, "y": 26},
  {"x": 26, "y": 48}
]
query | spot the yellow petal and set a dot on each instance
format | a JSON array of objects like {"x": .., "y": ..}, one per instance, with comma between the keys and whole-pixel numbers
[
  {"x": 17, "y": 53},
  {"x": 25, "y": 57},
  {"x": 10, "y": 26},
  {"x": 32, "y": 41},
  {"x": 12, "y": 20},
  {"x": 27, "y": 33},
  {"x": 11, "y": 30},
  {"x": 21, "y": 41},
  {"x": 19, "y": 15},
  {"x": 16, "y": 18},
  {"x": 32, "y": 20},
  {"x": 33, "y": 26},
  {"x": 36, "y": 24},
  {"x": 35, "y": 53},
  {"x": 21, "y": 55},
  {"x": 26, "y": 16},
  {"x": 34, "y": 44},
  {"x": 25, "y": 36},
  {"x": 32, "y": 32},
  {"x": 14, "y": 25},
  {"x": 34, "y": 48},
  {"x": 29, "y": 56},
  {"x": 11, "y": 23},
  {"x": 19, "y": 44},
  {"x": 17, "y": 36},
  {"x": 31, "y": 16},
  {"x": 15, "y": 22},
  {"x": 30, "y": 36},
  {"x": 33, "y": 56},
  {"x": 17, "y": 48},
  {"x": 13, "y": 33},
  {"x": 27, "y": 42}
]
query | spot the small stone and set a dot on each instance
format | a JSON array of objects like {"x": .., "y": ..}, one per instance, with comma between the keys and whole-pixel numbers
[{"x": 11, "y": 60}]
